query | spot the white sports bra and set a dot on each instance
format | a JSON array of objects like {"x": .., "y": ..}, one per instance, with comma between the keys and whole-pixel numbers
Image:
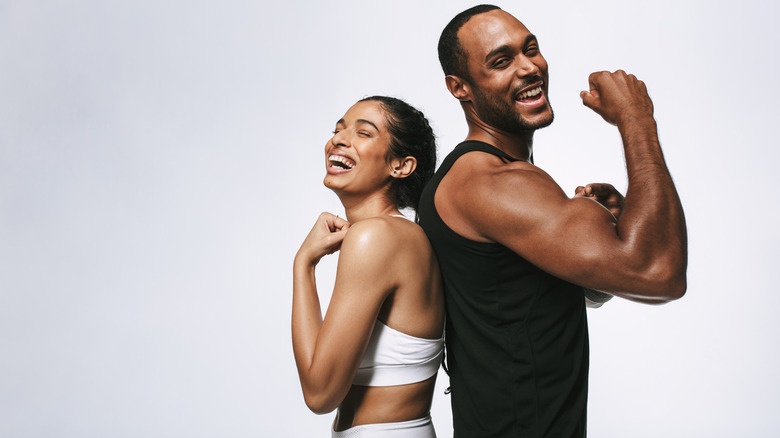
[{"x": 395, "y": 358}]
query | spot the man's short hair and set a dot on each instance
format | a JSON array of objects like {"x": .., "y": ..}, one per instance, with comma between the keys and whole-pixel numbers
[{"x": 452, "y": 55}]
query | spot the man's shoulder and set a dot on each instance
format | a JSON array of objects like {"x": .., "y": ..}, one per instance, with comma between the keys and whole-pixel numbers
[
  {"x": 474, "y": 155},
  {"x": 481, "y": 171},
  {"x": 476, "y": 172},
  {"x": 482, "y": 190}
]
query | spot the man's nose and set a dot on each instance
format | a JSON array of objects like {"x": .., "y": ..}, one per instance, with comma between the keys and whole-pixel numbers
[{"x": 526, "y": 67}]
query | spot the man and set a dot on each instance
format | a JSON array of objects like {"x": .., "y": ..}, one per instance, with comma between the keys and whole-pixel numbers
[{"x": 516, "y": 253}]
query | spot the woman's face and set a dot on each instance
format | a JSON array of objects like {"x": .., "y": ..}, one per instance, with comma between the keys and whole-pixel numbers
[{"x": 355, "y": 157}]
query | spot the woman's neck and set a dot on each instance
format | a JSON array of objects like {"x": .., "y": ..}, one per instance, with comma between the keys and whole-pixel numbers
[{"x": 368, "y": 207}]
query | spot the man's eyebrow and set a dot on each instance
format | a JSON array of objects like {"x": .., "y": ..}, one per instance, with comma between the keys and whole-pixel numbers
[{"x": 506, "y": 47}]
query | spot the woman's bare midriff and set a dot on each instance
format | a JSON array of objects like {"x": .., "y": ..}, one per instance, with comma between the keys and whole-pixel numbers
[{"x": 385, "y": 404}]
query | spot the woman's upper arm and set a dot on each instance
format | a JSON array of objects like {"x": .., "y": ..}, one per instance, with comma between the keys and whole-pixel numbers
[{"x": 360, "y": 290}]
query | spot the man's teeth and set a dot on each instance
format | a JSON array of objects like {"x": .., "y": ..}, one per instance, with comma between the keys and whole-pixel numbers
[
  {"x": 530, "y": 93},
  {"x": 342, "y": 160}
]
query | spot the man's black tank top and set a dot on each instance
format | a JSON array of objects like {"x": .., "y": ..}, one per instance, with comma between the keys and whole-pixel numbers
[{"x": 517, "y": 337}]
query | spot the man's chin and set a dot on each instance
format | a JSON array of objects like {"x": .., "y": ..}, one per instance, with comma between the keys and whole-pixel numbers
[{"x": 543, "y": 121}]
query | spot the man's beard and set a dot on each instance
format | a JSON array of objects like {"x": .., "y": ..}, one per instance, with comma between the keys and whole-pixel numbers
[{"x": 502, "y": 115}]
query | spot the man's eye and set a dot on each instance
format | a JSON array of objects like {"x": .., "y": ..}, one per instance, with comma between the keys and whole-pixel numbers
[
  {"x": 532, "y": 51},
  {"x": 503, "y": 62}
]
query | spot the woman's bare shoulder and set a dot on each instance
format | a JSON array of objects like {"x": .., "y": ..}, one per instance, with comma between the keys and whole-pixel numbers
[{"x": 383, "y": 233}]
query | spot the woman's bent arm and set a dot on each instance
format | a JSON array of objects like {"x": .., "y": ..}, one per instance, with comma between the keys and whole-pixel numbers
[{"x": 328, "y": 351}]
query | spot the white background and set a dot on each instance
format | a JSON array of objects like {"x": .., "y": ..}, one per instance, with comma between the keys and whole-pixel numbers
[{"x": 161, "y": 161}]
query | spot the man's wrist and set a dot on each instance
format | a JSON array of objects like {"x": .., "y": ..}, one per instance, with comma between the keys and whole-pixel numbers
[{"x": 638, "y": 125}]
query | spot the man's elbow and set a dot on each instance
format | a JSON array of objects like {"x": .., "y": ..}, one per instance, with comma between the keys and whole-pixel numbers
[
  {"x": 677, "y": 287},
  {"x": 668, "y": 285}
]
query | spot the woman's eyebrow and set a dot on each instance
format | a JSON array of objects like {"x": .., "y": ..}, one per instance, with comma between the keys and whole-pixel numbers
[{"x": 368, "y": 122}]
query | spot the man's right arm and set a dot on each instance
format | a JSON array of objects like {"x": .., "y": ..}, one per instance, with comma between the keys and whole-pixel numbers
[
  {"x": 641, "y": 256},
  {"x": 652, "y": 214}
]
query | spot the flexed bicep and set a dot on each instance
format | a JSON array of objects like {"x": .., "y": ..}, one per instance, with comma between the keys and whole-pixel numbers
[{"x": 574, "y": 239}]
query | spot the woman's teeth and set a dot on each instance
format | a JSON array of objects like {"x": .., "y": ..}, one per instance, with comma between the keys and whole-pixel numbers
[{"x": 341, "y": 161}]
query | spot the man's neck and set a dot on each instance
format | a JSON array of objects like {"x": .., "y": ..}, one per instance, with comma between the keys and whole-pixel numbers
[{"x": 517, "y": 144}]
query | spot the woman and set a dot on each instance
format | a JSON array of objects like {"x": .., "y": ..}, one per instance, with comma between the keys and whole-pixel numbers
[{"x": 376, "y": 353}]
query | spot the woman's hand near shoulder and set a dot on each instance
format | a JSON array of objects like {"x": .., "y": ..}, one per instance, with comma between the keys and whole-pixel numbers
[{"x": 323, "y": 239}]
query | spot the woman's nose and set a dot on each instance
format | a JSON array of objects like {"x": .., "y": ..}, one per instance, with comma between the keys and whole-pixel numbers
[{"x": 340, "y": 138}]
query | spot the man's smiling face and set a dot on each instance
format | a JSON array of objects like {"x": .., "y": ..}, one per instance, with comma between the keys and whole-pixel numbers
[{"x": 508, "y": 72}]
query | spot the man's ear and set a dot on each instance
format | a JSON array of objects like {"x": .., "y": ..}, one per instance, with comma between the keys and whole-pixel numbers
[
  {"x": 403, "y": 167},
  {"x": 458, "y": 88}
]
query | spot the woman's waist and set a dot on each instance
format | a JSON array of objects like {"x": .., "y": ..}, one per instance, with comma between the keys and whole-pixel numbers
[{"x": 385, "y": 404}]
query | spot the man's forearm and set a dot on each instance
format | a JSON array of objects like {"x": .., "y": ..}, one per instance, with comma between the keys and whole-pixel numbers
[{"x": 652, "y": 221}]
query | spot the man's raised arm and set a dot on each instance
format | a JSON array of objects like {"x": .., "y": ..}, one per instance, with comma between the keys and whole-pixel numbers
[
  {"x": 652, "y": 216},
  {"x": 641, "y": 255}
]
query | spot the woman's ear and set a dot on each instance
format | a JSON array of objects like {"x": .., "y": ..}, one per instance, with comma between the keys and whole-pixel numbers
[{"x": 403, "y": 167}]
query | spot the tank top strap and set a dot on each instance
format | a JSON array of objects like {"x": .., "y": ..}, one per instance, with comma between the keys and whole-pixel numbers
[{"x": 480, "y": 146}]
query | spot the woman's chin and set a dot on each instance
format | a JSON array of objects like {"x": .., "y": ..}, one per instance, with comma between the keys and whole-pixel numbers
[{"x": 330, "y": 182}]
